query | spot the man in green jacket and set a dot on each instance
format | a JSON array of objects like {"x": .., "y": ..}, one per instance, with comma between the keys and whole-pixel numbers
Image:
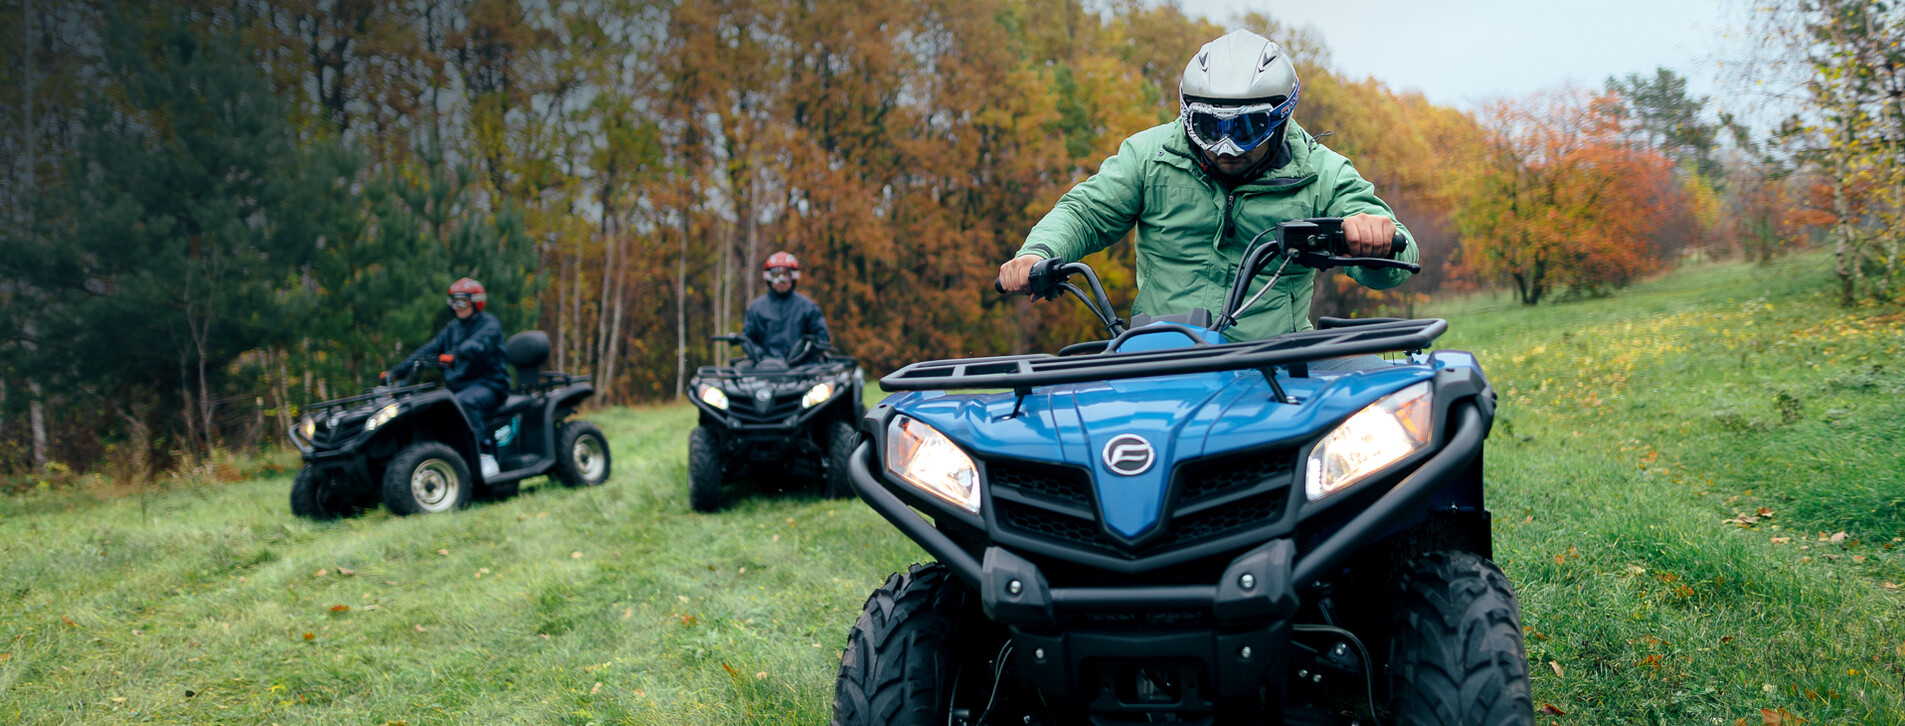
[{"x": 1200, "y": 188}]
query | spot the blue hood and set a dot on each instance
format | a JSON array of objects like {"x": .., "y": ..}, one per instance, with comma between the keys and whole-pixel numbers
[{"x": 1182, "y": 417}]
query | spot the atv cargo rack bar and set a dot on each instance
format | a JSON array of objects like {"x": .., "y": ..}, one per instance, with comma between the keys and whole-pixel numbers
[
  {"x": 1021, "y": 372},
  {"x": 333, "y": 403}
]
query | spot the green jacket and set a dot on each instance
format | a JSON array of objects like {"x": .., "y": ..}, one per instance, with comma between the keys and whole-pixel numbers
[{"x": 1192, "y": 230}]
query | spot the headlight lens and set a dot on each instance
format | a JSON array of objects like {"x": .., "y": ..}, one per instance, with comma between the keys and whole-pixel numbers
[
  {"x": 714, "y": 397},
  {"x": 817, "y": 395},
  {"x": 926, "y": 459},
  {"x": 1374, "y": 438},
  {"x": 308, "y": 427},
  {"x": 383, "y": 416}
]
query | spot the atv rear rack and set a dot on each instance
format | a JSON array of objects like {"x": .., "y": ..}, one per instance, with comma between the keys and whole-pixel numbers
[{"x": 1023, "y": 372}]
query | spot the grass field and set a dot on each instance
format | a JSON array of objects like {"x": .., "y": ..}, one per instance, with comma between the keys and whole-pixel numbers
[{"x": 1697, "y": 485}]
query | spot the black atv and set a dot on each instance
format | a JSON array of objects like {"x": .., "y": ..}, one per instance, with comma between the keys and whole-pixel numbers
[
  {"x": 410, "y": 444},
  {"x": 774, "y": 418}
]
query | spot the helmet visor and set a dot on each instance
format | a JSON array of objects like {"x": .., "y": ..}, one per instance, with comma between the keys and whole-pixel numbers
[
  {"x": 459, "y": 301},
  {"x": 778, "y": 275}
]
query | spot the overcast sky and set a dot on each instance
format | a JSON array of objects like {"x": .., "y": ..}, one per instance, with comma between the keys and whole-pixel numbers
[{"x": 1463, "y": 52}]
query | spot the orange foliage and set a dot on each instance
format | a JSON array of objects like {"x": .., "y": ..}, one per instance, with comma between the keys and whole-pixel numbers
[{"x": 1561, "y": 200}]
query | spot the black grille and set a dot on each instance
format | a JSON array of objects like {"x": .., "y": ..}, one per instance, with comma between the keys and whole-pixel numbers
[
  {"x": 777, "y": 410},
  {"x": 1049, "y": 524},
  {"x": 345, "y": 431},
  {"x": 1063, "y": 483},
  {"x": 1221, "y": 520},
  {"x": 1202, "y": 479},
  {"x": 1224, "y": 495}
]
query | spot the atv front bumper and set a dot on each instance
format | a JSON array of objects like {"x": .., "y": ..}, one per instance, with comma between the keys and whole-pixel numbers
[{"x": 1222, "y": 641}]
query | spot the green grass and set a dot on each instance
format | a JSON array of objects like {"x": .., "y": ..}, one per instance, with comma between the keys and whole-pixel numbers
[{"x": 1632, "y": 429}]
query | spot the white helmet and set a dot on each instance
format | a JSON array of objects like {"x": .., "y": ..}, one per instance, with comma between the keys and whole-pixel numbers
[{"x": 1237, "y": 93}]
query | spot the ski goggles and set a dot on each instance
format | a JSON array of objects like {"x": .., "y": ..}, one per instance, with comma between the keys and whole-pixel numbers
[
  {"x": 458, "y": 302},
  {"x": 778, "y": 275},
  {"x": 1235, "y": 130}
]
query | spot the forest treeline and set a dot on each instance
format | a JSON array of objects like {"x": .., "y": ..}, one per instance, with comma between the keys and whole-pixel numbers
[{"x": 218, "y": 212}]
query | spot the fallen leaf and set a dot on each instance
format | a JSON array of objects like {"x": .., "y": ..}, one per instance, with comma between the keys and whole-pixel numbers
[
  {"x": 1890, "y": 586},
  {"x": 1782, "y": 540},
  {"x": 760, "y": 676},
  {"x": 347, "y": 572},
  {"x": 118, "y": 699},
  {"x": 69, "y": 621},
  {"x": 1726, "y": 638},
  {"x": 1548, "y": 709},
  {"x": 1652, "y": 660},
  {"x": 321, "y": 572},
  {"x": 742, "y": 571},
  {"x": 730, "y": 669},
  {"x": 310, "y": 636},
  {"x": 597, "y": 688},
  {"x": 1557, "y": 668},
  {"x": 420, "y": 628},
  {"x": 628, "y": 613},
  {"x": 1782, "y": 717},
  {"x": 640, "y": 693},
  {"x": 1529, "y": 520},
  {"x": 370, "y": 607},
  {"x": 445, "y": 553},
  {"x": 575, "y": 555},
  {"x": 689, "y": 620},
  {"x": 1637, "y": 569},
  {"x": 339, "y": 608},
  {"x": 1837, "y": 537},
  {"x": 1858, "y": 558}
]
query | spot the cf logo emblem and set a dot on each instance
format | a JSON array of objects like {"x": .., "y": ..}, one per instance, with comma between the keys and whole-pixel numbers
[{"x": 1129, "y": 454}]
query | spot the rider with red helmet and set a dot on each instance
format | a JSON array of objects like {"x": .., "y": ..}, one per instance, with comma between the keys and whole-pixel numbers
[
  {"x": 779, "y": 319},
  {"x": 471, "y": 348}
]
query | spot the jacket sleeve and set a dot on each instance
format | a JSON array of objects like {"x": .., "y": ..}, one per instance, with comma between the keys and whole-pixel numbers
[
  {"x": 429, "y": 350},
  {"x": 753, "y": 334},
  {"x": 816, "y": 324},
  {"x": 1353, "y": 195},
  {"x": 1094, "y": 214}
]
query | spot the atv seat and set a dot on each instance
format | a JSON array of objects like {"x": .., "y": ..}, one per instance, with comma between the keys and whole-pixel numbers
[
  {"x": 526, "y": 352},
  {"x": 513, "y": 405}
]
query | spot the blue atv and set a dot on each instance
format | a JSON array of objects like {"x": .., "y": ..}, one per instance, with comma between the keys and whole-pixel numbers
[{"x": 1164, "y": 527}]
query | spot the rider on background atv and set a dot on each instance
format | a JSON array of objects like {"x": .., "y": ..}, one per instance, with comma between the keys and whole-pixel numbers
[
  {"x": 779, "y": 319},
  {"x": 471, "y": 348},
  {"x": 1200, "y": 188}
]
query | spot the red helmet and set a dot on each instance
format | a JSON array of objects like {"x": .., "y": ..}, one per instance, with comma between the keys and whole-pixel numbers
[
  {"x": 781, "y": 260},
  {"x": 471, "y": 289}
]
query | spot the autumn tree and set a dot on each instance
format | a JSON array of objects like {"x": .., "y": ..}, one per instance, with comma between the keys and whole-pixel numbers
[{"x": 1560, "y": 201}]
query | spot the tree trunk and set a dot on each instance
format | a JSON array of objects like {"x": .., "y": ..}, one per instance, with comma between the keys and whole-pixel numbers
[
  {"x": 36, "y": 418},
  {"x": 681, "y": 309}
]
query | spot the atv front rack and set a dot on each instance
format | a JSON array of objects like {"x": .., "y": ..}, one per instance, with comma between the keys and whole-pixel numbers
[{"x": 1022, "y": 372}]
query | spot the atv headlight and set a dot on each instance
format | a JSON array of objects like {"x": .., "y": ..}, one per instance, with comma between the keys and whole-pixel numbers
[
  {"x": 308, "y": 428},
  {"x": 817, "y": 395},
  {"x": 715, "y": 397},
  {"x": 383, "y": 416},
  {"x": 1375, "y": 437},
  {"x": 926, "y": 459}
]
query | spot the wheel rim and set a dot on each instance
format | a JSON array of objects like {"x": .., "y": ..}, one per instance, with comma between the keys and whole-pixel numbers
[
  {"x": 588, "y": 457},
  {"x": 434, "y": 484}
]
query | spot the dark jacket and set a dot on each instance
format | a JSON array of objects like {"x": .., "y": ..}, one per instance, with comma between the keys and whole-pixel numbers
[
  {"x": 477, "y": 343},
  {"x": 776, "y": 322}
]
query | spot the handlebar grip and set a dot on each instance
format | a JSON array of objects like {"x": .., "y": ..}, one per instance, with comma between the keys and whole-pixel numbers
[
  {"x": 1397, "y": 244},
  {"x": 998, "y": 286},
  {"x": 446, "y": 358}
]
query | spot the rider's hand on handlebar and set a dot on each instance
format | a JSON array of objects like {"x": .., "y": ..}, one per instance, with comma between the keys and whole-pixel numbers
[
  {"x": 1368, "y": 235},
  {"x": 1015, "y": 276}
]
